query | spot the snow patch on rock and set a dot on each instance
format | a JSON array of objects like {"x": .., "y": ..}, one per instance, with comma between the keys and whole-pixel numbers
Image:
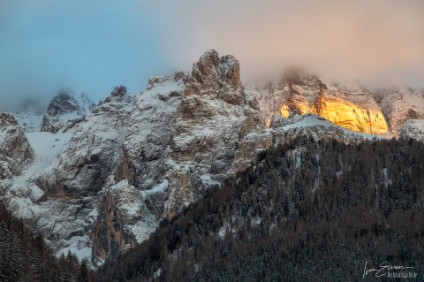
[{"x": 413, "y": 128}]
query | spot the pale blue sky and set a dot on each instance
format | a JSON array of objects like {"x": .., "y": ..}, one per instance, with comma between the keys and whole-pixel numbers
[
  {"x": 89, "y": 46},
  {"x": 93, "y": 45}
]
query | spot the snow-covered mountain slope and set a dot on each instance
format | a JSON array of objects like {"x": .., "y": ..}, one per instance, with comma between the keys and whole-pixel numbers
[
  {"x": 413, "y": 128},
  {"x": 300, "y": 93},
  {"x": 64, "y": 109},
  {"x": 22, "y": 191},
  {"x": 29, "y": 114},
  {"x": 102, "y": 180},
  {"x": 133, "y": 161},
  {"x": 29, "y": 121}
]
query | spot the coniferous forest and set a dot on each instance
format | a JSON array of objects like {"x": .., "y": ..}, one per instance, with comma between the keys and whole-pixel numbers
[
  {"x": 24, "y": 256},
  {"x": 305, "y": 211}
]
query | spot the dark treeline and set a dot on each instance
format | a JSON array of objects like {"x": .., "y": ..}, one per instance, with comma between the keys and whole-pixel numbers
[
  {"x": 25, "y": 257},
  {"x": 306, "y": 211}
]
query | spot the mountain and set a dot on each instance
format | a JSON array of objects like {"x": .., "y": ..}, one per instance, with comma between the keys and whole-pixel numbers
[
  {"x": 29, "y": 114},
  {"x": 98, "y": 181},
  {"x": 24, "y": 255},
  {"x": 413, "y": 128},
  {"x": 307, "y": 210},
  {"x": 34, "y": 116},
  {"x": 298, "y": 93},
  {"x": 401, "y": 104},
  {"x": 65, "y": 108}
]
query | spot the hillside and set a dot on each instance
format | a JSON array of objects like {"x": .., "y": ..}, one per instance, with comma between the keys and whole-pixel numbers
[
  {"x": 24, "y": 256},
  {"x": 274, "y": 223}
]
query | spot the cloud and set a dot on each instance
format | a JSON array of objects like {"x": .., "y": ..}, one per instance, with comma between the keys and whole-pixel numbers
[
  {"x": 364, "y": 40},
  {"x": 91, "y": 46}
]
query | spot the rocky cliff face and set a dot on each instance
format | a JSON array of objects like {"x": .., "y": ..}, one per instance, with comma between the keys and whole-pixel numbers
[
  {"x": 64, "y": 108},
  {"x": 401, "y": 104},
  {"x": 298, "y": 93},
  {"x": 94, "y": 151},
  {"x": 15, "y": 151},
  {"x": 361, "y": 115},
  {"x": 215, "y": 115},
  {"x": 183, "y": 137}
]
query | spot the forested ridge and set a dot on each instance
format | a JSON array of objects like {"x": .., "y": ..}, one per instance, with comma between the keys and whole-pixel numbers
[
  {"x": 305, "y": 211},
  {"x": 24, "y": 256}
]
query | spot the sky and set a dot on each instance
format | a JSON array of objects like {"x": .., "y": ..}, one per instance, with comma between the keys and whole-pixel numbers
[{"x": 92, "y": 46}]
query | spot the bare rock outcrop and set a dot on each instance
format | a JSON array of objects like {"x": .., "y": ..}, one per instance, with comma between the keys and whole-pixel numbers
[
  {"x": 15, "y": 151},
  {"x": 121, "y": 213},
  {"x": 401, "y": 104},
  {"x": 63, "y": 109},
  {"x": 214, "y": 117}
]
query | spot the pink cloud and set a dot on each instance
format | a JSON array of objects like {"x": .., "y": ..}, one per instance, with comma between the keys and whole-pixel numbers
[{"x": 354, "y": 40}]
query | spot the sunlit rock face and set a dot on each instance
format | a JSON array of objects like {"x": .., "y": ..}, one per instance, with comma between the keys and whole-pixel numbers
[
  {"x": 299, "y": 94},
  {"x": 353, "y": 116}
]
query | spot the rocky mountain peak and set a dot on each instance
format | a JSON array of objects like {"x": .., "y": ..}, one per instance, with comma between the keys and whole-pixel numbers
[
  {"x": 211, "y": 67},
  {"x": 297, "y": 76},
  {"x": 119, "y": 91},
  {"x": 65, "y": 108},
  {"x": 230, "y": 69},
  {"x": 63, "y": 103},
  {"x": 119, "y": 97},
  {"x": 213, "y": 76},
  {"x": 207, "y": 63}
]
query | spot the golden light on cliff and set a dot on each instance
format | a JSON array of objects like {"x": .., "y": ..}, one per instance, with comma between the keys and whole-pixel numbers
[
  {"x": 285, "y": 111},
  {"x": 341, "y": 112},
  {"x": 268, "y": 123}
]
